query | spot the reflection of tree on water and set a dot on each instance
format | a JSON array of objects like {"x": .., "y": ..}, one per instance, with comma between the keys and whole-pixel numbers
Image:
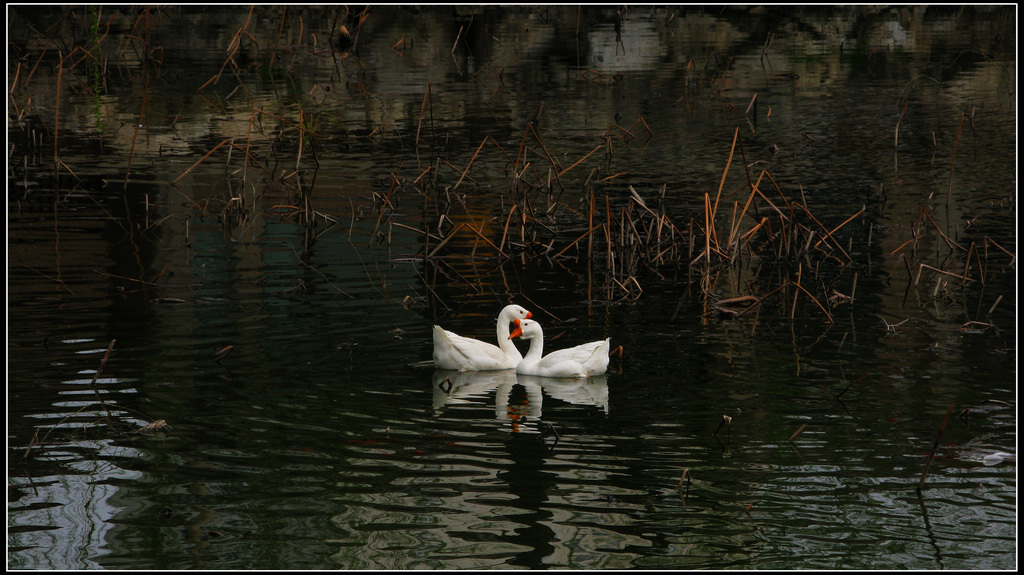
[{"x": 530, "y": 483}]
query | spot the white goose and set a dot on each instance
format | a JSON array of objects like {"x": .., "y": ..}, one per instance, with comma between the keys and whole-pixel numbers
[
  {"x": 583, "y": 360},
  {"x": 458, "y": 353}
]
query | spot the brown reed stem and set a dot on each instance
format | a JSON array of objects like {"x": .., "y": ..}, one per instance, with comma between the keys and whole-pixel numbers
[
  {"x": 508, "y": 220},
  {"x": 590, "y": 222},
  {"x": 484, "y": 238},
  {"x": 924, "y": 266},
  {"x": 901, "y": 246},
  {"x": 96, "y": 376},
  {"x": 578, "y": 162},
  {"x": 721, "y": 184},
  {"x": 298, "y": 156},
  {"x": 989, "y": 240},
  {"x": 949, "y": 243},
  {"x": 215, "y": 148},
  {"x": 707, "y": 227},
  {"x": 967, "y": 262},
  {"x": 799, "y": 275},
  {"x": 827, "y": 233},
  {"x": 608, "y": 233},
  {"x": 578, "y": 240},
  {"x": 447, "y": 238},
  {"x": 471, "y": 160},
  {"x": 550, "y": 158},
  {"x": 138, "y": 126},
  {"x": 848, "y": 220},
  {"x": 952, "y": 161},
  {"x": 935, "y": 447},
  {"x": 993, "y": 308},
  {"x": 56, "y": 119},
  {"x": 896, "y": 136},
  {"x": 423, "y": 106}
]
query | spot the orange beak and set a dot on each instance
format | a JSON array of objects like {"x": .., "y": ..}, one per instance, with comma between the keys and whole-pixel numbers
[{"x": 518, "y": 331}]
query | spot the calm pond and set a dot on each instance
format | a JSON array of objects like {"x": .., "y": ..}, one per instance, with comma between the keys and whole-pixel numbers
[{"x": 231, "y": 230}]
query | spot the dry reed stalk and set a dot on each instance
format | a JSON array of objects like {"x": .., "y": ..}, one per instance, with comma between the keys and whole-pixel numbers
[
  {"x": 778, "y": 190},
  {"x": 484, "y": 238},
  {"x": 471, "y": 160},
  {"x": 798, "y": 432},
  {"x": 298, "y": 156},
  {"x": 951, "y": 274},
  {"x": 935, "y": 448},
  {"x": 519, "y": 155},
  {"x": 233, "y": 48},
  {"x": 629, "y": 135},
  {"x": 799, "y": 275},
  {"x": 967, "y": 263},
  {"x": 215, "y": 148},
  {"x": 56, "y": 119},
  {"x": 690, "y": 237},
  {"x": 578, "y": 162},
  {"x": 734, "y": 228},
  {"x": 447, "y": 238},
  {"x": 757, "y": 304},
  {"x": 554, "y": 164},
  {"x": 952, "y": 161},
  {"x": 659, "y": 217},
  {"x": 608, "y": 233},
  {"x": 949, "y": 243},
  {"x": 420, "y": 177},
  {"x": 752, "y": 106},
  {"x": 457, "y": 38},
  {"x": 359, "y": 26},
  {"x": 988, "y": 240},
  {"x": 502, "y": 150},
  {"x": 423, "y": 106},
  {"x": 49, "y": 42},
  {"x": 613, "y": 176},
  {"x": 721, "y": 184},
  {"x": 96, "y": 376},
  {"x": 993, "y": 308},
  {"x": 906, "y": 266},
  {"x": 412, "y": 229},
  {"x": 901, "y": 246},
  {"x": 643, "y": 122},
  {"x": 828, "y": 233},
  {"x": 577, "y": 240},
  {"x": 746, "y": 237},
  {"x": 815, "y": 300},
  {"x": 590, "y": 223},
  {"x": 508, "y": 220},
  {"x": 384, "y": 204},
  {"x": 454, "y": 271},
  {"x": 707, "y": 227},
  {"x": 896, "y": 136},
  {"x": 138, "y": 126},
  {"x": 848, "y": 220}
]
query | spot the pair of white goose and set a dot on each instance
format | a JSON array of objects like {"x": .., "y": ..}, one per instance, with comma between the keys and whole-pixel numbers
[{"x": 455, "y": 352}]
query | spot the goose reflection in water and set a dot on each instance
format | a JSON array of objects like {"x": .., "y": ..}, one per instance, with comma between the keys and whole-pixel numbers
[{"x": 518, "y": 399}]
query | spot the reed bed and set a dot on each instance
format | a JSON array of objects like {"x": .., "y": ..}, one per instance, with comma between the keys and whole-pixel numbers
[{"x": 743, "y": 245}]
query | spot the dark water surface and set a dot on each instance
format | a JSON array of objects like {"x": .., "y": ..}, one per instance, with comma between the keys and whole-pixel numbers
[{"x": 136, "y": 224}]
